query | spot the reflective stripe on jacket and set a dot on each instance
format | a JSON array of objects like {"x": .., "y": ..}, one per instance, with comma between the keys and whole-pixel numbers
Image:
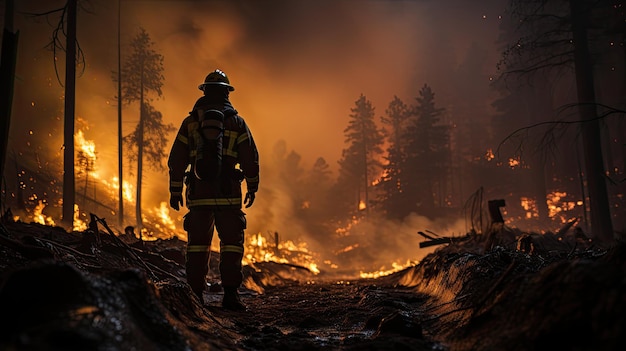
[{"x": 239, "y": 155}]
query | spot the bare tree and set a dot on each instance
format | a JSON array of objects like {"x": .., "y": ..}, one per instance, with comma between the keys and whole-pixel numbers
[
  {"x": 66, "y": 29},
  {"x": 142, "y": 74},
  {"x": 555, "y": 36},
  {"x": 7, "y": 77}
]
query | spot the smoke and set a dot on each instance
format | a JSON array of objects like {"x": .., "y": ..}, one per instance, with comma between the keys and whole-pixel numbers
[{"x": 297, "y": 67}]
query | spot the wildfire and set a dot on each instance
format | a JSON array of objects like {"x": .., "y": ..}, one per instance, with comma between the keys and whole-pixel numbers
[
  {"x": 39, "y": 217},
  {"x": 514, "y": 162},
  {"x": 79, "y": 224},
  {"x": 556, "y": 205},
  {"x": 127, "y": 191},
  {"x": 489, "y": 155},
  {"x": 163, "y": 213},
  {"x": 395, "y": 267},
  {"x": 345, "y": 231},
  {"x": 530, "y": 206},
  {"x": 88, "y": 147},
  {"x": 259, "y": 249}
]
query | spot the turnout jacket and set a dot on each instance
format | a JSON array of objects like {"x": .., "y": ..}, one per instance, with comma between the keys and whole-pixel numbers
[{"x": 240, "y": 160}]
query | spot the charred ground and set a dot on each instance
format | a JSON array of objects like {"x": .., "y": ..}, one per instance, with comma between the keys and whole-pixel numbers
[{"x": 96, "y": 291}]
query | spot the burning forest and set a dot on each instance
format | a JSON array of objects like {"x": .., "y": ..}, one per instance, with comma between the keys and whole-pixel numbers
[{"x": 429, "y": 176}]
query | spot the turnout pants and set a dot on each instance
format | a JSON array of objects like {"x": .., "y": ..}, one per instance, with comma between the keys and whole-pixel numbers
[{"x": 200, "y": 223}]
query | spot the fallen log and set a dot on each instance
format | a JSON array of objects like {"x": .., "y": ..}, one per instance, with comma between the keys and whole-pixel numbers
[{"x": 436, "y": 241}]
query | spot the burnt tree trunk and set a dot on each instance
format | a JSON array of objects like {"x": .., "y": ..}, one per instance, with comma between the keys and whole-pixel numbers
[
  {"x": 120, "y": 162},
  {"x": 140, "y": 155},
  {"x": 7, "y": 77},
  {"x": 601, "y": 224},
  {"x": 69, "y": 196}
]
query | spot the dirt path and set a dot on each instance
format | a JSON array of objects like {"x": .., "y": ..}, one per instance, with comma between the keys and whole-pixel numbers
[{"x": 348, "y": 315}]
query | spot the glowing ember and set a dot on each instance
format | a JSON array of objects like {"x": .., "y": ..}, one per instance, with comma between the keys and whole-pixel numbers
[
  {"x": 362, "y": 205},
  {"x": 530, "y": 206},
  {"x": 555, "y": 205},
  {"x": 489, "y": 155}
]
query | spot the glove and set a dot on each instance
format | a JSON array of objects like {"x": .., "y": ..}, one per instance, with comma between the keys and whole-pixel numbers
[
  {"x": 176, "y": 201},
  {"x": 249, "y": 200}
]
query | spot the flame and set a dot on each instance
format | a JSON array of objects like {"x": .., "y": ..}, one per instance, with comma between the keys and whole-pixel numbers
[
  {"x": 79, "y": 224},
  {"x": 530, "y": 206},
  {"x": 380, "y": 178},
  {"x": 556, "y": 205},
  {"x": 489, "y": 155},
  {"x": 514, "y": 162},
  {"x": 362, "y": 205},
  {"x": 259, "y": 249},
  {"x": 345, "y": 231},
  {"x": 395, "y": 267},
  {"x": 88, "y": 147},
  {"x": 127, "y": 191},
  {"x": 39, "y": 217},
  {"x": 163, "y": 213}
]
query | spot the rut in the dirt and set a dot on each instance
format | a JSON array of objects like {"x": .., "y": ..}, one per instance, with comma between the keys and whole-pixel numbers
[{"x": 70, "y": 291}]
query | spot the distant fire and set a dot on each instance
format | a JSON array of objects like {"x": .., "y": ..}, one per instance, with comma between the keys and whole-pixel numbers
[
  {"x": 259, "y": 249},
  {"x": 79, "y": 224},
  {"x": 39, "y": 217},
  {"x": 530, "y": 206},
  {"x": 162, "y": 213},
  {"x": 383, "y": 271},
  {"x": 489, "y": 155},
  {"x": 557, "y": 204}
]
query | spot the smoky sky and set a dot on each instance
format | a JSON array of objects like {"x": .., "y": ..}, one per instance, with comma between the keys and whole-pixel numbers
[{"x": 297, "y": 66}]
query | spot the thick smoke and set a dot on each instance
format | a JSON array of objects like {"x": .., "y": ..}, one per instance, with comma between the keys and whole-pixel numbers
[{"x": 297, "y": 66}]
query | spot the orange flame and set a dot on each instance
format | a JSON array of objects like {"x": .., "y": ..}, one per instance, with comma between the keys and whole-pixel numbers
[
  {"x": 39, "y": 217},
  {"x": 395, "y": 267},
  {"x": 79, "y": 224},
  {"x": 258, "y": 249}
]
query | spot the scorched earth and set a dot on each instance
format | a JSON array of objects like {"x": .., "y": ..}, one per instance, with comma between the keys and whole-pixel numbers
[{"x": 95, "y": 290}]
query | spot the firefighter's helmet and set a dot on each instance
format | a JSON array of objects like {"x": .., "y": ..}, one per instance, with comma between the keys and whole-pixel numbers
[{"x": 216, "y": 77}]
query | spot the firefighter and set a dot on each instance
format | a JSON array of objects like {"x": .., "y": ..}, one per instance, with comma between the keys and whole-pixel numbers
[{"x": 214, "y": 203}]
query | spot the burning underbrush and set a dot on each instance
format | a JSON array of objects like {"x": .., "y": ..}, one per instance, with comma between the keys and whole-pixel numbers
[{"x": 508, "y": 289}]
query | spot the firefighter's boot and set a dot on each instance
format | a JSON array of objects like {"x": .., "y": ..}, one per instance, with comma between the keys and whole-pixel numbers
[{"x": 231, "y": 300}]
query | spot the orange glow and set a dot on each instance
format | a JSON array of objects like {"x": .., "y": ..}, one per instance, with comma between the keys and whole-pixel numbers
[
  {"x": 530, "y": 206},
  {"x": 39, "y": 217},
  {"x": 556, "y": 205},
  {"x": 362, "y": 205},
  {"x": 514, "y": 162},
  {"x": 395, "y": 267},
  {"x": 88, "y": 147},
  {"x": 127, "y": 192},
  {"x": 79, "y": 225},
  {"x": 163, "y": 213},
  {"x": 489, "y": 155},
  {"x": 258, "y": 249}
]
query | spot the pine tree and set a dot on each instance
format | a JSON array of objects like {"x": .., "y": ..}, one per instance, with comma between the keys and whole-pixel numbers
[
  {"x": 427, "y": 155},
  {"x": 359, "y": 164},
  {"x": 391, "y": 197},
  {"x": 142, "y": 74}
]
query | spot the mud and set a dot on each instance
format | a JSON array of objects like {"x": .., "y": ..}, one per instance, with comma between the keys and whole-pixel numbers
[{"x": 92, "y": 291}]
